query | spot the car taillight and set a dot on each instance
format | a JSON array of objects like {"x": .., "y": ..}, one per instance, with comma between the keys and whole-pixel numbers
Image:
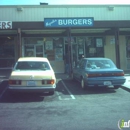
[
  {"x": 14, "y": 82},
  {"x": 105, "y": 74},
  {"x": 92, "y": 75},
  {"x": 120, "y": 74},
  {"x": 52, "y": 81}
]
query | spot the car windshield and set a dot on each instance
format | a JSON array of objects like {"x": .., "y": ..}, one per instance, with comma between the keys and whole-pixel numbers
[
  {"x": 31, "y": 65},
  {"x": 100, "y": 64}
]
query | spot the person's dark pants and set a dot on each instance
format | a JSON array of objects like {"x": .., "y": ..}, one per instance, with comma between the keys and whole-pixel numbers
[{"x": 67, "y": 68}]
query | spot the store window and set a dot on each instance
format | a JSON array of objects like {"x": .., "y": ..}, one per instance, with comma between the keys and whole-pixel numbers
[
  {"x": 33, "y": 47},
  {"x": 81, "y": 47},
  {"x": 7, "y": 52},
  {"x": 94, "y": 47},
  {"x": 49, "y": 47},
  {"x": 59, "y": 48},
  {"x": 128, "y": 47},
  {"x": 128, "y": 51},
  {"x": 71, "y": 46}
]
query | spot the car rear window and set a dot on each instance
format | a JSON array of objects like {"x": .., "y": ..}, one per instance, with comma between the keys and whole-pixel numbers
[
  {"x": 31, "y": 65},
  {"x": 100, "y": 64}
]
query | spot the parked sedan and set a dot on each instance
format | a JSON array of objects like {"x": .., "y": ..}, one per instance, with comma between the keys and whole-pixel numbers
[
  {"x": 98, "y": 72},
  {"x": 32, "y": 74}
]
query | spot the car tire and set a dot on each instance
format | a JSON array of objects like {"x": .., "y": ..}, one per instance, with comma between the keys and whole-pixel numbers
[
  {"x": 116, "y": 86},
  {"x": 82, "y": 83}
]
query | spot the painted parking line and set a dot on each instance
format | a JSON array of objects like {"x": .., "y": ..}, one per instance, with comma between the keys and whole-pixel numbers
[
  {"x": 3, "y": 92},
  {"x": 71, "y": 95},
  {"x": 60, "y": 98}
]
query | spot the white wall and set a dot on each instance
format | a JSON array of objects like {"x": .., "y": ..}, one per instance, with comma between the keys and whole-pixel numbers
[{"x": 39, "y": 12}]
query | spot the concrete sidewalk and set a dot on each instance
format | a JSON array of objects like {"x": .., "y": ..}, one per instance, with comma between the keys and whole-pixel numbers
[{"x": 126, "y": 85}]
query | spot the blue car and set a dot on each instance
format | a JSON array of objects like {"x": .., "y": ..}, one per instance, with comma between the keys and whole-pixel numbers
[{"x": 98, "y": 72}]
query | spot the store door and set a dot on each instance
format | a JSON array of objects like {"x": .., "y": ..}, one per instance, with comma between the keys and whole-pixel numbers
[
  {"x": 81, "y": 47},
  {"x": 74, "y": 54},
  {"x": 29, "y": 51},
  {"x": 39, "y": 50},
  {"x": 33, "y": 50}
]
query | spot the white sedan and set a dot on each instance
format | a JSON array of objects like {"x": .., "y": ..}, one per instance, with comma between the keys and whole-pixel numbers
[{"x": 32, "y": 74}]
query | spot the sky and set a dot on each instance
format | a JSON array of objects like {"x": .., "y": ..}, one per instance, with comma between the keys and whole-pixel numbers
[{"x": 62, "y": 2}]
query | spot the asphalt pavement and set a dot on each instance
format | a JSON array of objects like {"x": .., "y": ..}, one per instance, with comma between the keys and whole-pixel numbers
[{"x": 4, "y": 75}]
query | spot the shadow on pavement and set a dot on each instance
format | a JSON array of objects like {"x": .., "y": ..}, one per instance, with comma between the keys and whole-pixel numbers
[
  {"x": 21, "y": 97},
  {"x": 125, "y": 88},
  {"x": 75, "y": 89}
]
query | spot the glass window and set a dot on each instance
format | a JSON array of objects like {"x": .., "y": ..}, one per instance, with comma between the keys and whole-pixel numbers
[
  {"x": 100, "y": 64},
  {"x": 81, "y": 45},
  {"x": 58, "y": 47},
  {"x": 94, "y": 47},
  {"x": 128, "y": 47},
  {"x": 30, "y": 65},
  {"x": 7, "y": 52}
]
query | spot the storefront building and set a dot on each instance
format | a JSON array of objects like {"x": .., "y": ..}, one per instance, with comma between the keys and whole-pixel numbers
[{"x": 52, "y": 31}]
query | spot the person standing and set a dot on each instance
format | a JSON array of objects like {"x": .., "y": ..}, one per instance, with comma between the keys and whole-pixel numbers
[{"x": 67, "y": 63}]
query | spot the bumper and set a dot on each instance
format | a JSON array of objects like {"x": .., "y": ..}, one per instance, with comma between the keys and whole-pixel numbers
[
  {"x": 32, "y": 89},
  {"x": 103, "y": 81}
]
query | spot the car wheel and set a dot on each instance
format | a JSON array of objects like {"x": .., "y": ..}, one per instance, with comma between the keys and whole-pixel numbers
[
  {"x": 82, "y": 83},
  {"x": 116, "y": 86},
  {"x": 51, "y": 93}
]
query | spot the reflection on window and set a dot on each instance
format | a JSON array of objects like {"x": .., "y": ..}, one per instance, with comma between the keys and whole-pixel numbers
[
  {"x": 32, "y": 66},
  {"x": 94, "y": 47},
  {"x": 128, "y": 47},
  {"x": 100, "y": 64},
  {"x": 7, "y": 52}
]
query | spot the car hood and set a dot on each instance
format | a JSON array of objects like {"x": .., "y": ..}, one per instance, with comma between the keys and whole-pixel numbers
[{"x": 25, "y": 75}]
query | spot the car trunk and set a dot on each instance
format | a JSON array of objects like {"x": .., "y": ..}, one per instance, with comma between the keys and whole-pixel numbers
[{"x": 30, "y": 75}]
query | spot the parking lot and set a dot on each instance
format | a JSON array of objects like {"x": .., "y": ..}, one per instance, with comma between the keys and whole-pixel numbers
[{"x": 69, "y": 108}]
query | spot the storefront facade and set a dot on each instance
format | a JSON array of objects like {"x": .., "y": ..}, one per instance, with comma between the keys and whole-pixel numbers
[{"x": 31, "y": 37}]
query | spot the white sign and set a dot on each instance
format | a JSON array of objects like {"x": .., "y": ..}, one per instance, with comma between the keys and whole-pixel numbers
[{"x": 5, "y": 25}]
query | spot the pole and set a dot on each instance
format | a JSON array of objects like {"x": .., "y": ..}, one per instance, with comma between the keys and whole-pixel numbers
[
  {"x": 70, "y": 52},
  {"x": 117, "y": 47},
  {"x": 19, "y": 42}
]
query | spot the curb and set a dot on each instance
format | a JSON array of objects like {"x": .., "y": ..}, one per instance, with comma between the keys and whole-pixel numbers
[
  {"x": 125, "y": 88},
  {"x": 127, "y": 75}
]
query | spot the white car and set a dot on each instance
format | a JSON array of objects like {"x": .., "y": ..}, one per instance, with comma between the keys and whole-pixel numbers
[{"x": 32, "y": 74}]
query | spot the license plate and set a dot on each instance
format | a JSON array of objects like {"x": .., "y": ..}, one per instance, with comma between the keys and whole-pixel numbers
[
  {"x": 107, "y": 83},
  {"x": 31, "y": 83}
]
